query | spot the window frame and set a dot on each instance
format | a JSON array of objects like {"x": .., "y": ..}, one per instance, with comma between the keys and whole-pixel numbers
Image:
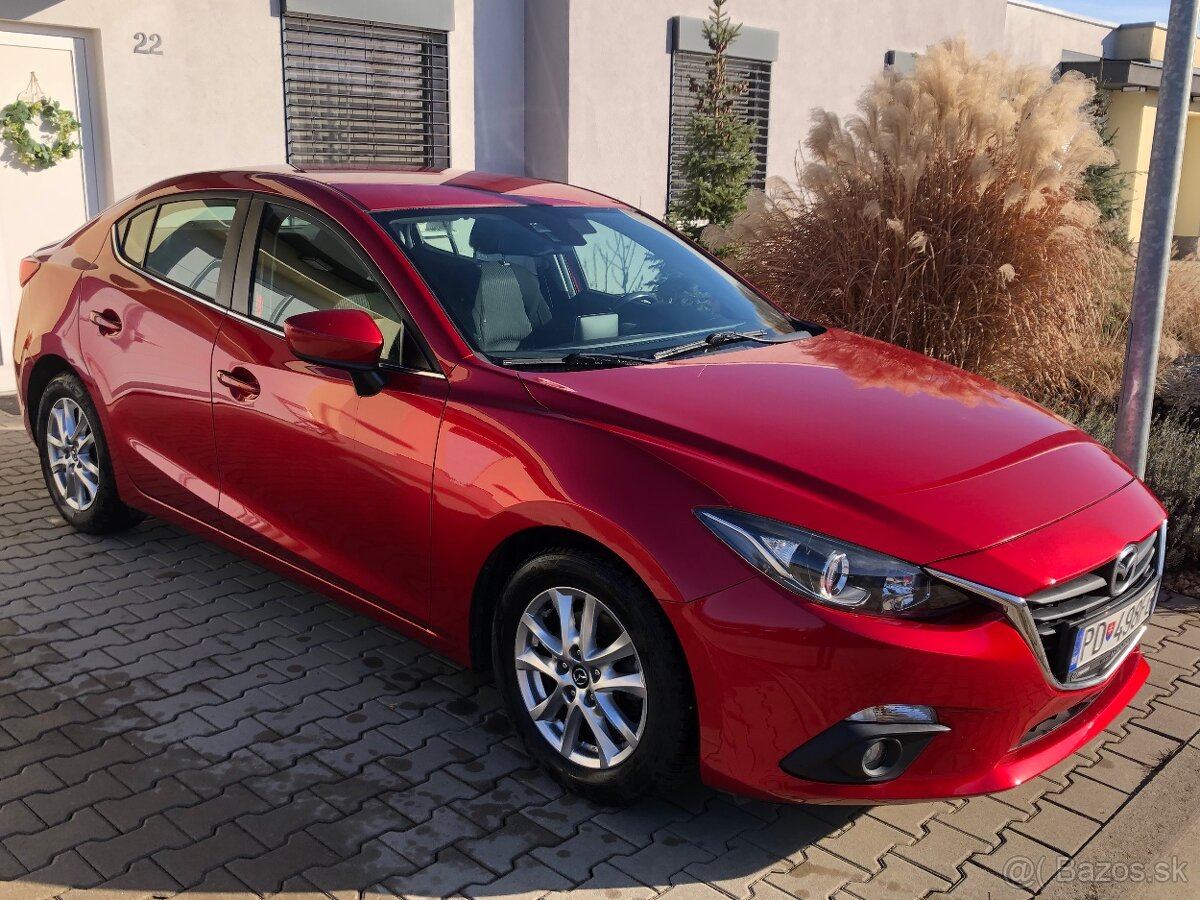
[
  {"x": 229, "y": 258},
  {"x": 247, "y": 258}
]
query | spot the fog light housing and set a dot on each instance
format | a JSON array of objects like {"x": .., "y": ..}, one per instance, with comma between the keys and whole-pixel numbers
[{"x": 862, "y": 750}]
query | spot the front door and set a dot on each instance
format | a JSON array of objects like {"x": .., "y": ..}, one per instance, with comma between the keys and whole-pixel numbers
[
  {"x": 312, "y": 473},
  {"x": 147, "y": 323},
  {"x": 40, "y": 207}
]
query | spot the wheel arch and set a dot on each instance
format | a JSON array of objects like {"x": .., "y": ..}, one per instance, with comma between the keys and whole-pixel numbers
[
  {"x": 45, "y": 370},
  {"x": 504, "y": 560}
]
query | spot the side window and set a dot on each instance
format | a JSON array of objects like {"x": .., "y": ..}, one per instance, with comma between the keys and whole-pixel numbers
[
  {"x": 187, "y": 243},
  {"x": 302, "y": 265},
  {"x": 134, "y": 233},
  {"x": 615, "y": 264}
]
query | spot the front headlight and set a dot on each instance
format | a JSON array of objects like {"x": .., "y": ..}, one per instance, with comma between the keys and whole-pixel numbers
[{"x": 831, "y": 571}]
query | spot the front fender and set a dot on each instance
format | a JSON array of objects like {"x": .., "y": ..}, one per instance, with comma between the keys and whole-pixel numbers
[{"x": 504, "y": 466}]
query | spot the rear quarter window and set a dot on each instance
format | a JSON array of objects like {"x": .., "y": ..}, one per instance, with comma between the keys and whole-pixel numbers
[{"x": 134, "y": 234}]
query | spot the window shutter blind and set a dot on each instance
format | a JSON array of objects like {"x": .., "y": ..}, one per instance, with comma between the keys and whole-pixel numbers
[
  {"x": 365, "y": 93},
  {"x": 755, "y": 105}
]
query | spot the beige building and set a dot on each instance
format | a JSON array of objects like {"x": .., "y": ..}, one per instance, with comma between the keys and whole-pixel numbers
[{"x": 591, "y": 91}]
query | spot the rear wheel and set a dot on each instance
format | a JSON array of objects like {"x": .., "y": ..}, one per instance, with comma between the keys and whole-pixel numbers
[
  {"x": 75, "y": 460},
  {"x": 593, "y": 677}
]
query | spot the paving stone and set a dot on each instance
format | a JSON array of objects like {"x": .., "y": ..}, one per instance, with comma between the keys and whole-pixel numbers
[
  {"x": 577, "y": 855},
  {"x": 911, "y": 818},
  {"x": 865, "y": 842},
  {"x": 113, "y": 856},
  {"x": 33, "y": 779},
  {"x": 1171, "y": 721},
  {"x": 202, "y": 819},
  {"x": 190, "y": 863},
  {"x": 716, "y": 826},
  {"x": 210, "y": 780},
  {"x": 28, "y": 729},
  {"x": 979, "y": 883},
  {"x": 36, "y": 850},
  {"x": 658, "y": 864},
  {"x": 419, "y": 764},
  {"x": 68, "y": 870},
  {"x": 527, "y": 880},
  {"x": 820, "y": 874},
  {"x": 736, "y": 869},
  {"x": 1091, "y": 798},
  {"x": 346, "y": 834},
  {"x": 1021, "y": 861},
  {"x": 899, "y": 878},
  {"x": 279, "y": 822},
  {"x": 983, "y": 817},
  {"x": 789, "y": 835},
  {"x": 942, "y": 851},
  {"x": 143, "y": 881},
  {"x": 420, "y": 802},
  {"x": 267, "y": 872},
  {"x": 1058, "y": 827},
  {"x": 422, "y": 843},
  {"x": 375, "y": 862},
  {"x": 1118, "y": 771},
  {"x": 1145, "y": 746},
  {"x": 58, "y": 806},
  {"x": 349, "y": 794},
  {"x": 452, "y": 872}
]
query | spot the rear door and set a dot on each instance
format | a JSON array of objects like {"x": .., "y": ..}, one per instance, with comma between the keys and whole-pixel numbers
[
  {"x": 310, "y": 472},
  {"x": 149, "y": 315}
]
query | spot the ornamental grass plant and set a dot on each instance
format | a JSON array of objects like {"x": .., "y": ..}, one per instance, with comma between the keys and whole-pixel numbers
[{"x": 945, "y": 216}]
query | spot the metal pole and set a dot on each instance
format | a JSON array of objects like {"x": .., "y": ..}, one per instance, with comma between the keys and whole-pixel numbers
[{"x": 1154, "y": 248}]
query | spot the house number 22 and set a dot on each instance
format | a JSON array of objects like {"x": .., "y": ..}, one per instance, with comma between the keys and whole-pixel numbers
[{"x": 150, "y": 44}]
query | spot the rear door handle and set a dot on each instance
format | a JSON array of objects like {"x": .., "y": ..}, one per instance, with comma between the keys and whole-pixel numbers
[
  {"x": 242, "y": 385},
  {"x": 108, "y": 322}
]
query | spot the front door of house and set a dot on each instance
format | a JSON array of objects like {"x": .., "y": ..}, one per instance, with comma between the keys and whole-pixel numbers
[{"x": 40, "y": 207}]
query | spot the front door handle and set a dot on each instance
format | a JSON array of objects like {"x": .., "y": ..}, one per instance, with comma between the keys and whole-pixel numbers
[
  {"x": 108, "y": 322},
  {"x": 242, "y": 385}
]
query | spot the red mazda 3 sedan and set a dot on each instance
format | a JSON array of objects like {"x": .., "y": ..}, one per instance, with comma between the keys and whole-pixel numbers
[{"x": 537, "y": 430}]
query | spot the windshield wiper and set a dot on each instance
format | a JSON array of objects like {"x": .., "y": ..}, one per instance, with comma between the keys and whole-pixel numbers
[
  {"x": 576, "y": 360},
  {"x": 717, "y": 338}
]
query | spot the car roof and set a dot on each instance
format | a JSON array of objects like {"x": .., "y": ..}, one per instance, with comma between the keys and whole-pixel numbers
[{"x": 379, "y": 189}]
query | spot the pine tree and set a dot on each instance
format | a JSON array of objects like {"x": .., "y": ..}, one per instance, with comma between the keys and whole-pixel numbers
[
  {"x": 720, "y": 155},
  {"x": 1106, "y": 186}
]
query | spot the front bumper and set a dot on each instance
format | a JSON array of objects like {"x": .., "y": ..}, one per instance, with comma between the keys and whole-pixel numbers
[{"x": 771, "y": 673}]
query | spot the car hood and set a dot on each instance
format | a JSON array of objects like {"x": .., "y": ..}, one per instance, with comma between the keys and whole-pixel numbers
[{"x": 852, "y": 437}]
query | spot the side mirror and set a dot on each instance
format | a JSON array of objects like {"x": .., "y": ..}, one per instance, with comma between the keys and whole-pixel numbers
[{"x": 345, "y": 339}]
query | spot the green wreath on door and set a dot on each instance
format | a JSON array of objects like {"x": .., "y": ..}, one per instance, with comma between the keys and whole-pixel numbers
[{"x": 14, "y": 130}]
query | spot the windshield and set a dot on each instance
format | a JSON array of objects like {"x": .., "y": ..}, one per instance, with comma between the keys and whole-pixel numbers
[{"x": 542, "y": 282}]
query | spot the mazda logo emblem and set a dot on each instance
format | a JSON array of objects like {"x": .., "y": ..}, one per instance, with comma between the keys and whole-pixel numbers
[{"x": 1122, "y": 572}]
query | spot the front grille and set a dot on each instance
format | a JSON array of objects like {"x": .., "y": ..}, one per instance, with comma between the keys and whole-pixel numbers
[{"x": 1058, "y": 610}]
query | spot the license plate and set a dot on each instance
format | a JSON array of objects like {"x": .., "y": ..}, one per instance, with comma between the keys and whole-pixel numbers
[{"x": 1099, "y": 637}]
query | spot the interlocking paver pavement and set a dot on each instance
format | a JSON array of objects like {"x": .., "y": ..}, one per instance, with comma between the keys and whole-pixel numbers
[{"x": 177, "y": 722}]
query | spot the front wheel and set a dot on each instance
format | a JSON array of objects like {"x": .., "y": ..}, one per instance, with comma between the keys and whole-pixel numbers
[
  {"x": 593, "y": 677},
  {"x": 75, "y": 460}
]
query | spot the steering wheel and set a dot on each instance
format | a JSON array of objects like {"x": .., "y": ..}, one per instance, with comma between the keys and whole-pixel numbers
[{"x": 645, "y": 298}]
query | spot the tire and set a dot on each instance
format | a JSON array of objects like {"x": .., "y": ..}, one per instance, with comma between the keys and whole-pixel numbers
[
  {"x": 662, "y": 722},
  {"x": 78, "y": 469}
]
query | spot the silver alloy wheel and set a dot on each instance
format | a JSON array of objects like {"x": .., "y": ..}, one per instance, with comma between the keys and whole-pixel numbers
[
  {"x": 580, "y": 677},
  {"x": 71, "y": 449}
]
